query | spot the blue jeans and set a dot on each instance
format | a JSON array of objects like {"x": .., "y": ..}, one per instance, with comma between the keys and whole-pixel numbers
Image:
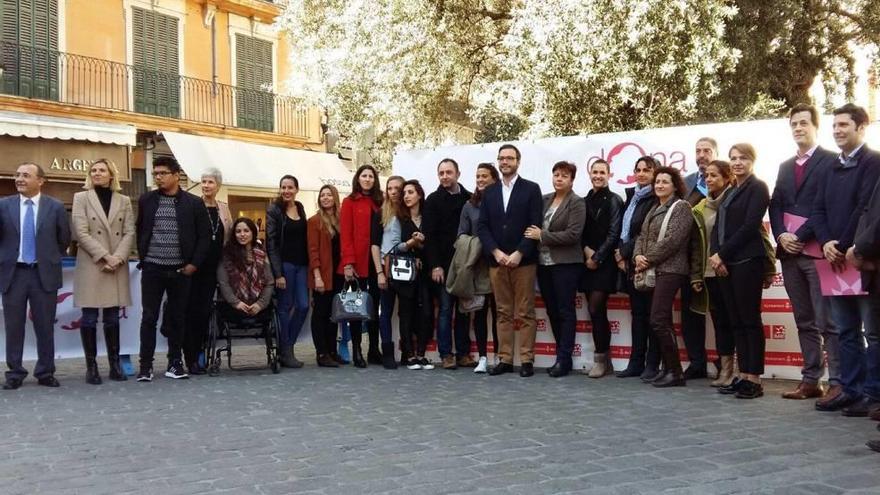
[
  {"x": 387, "y": 299},
  {"x": 859, "y": 368},
  {"x": 293, "y": 303},
  {"x": 90, "y": 317},
  {"x": 448, "y": 303}
]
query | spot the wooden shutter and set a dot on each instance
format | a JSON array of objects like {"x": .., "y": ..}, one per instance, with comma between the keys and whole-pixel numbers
[
  {"x": 156, "y": 63},
  {"x": 30, "y": 47},
  {"x": 253, "y": 73}
]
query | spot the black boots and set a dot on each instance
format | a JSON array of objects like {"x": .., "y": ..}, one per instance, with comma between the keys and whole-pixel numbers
[
  {"x": 388, "y": 361},
  {"x": 357, "y": 355},
  {"x": 111, "y": 339},
  {"x": 90, "y": 347},
  {"x": 673, "y": 376}
]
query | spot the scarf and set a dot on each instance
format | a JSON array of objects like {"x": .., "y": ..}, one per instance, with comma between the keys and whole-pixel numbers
[
  {"x": 640, "y": 194},
  {"x": 247, "y": 285}
]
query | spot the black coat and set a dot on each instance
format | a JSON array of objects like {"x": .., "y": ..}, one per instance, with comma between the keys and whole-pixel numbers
[
  {"x": 193, "y": 225},
  {"x": 275, "y": 235},
  {"x": 787, "y": 198},
  {"x": 441, "y": 218},
  {"x": 505, "y": 230},
  {"x": 737, "y": 235},
  {"x": 410, "y": 289},
  {"x": 602, "y": 234}
]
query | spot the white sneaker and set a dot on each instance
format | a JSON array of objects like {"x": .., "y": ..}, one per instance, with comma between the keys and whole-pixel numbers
[
  {"x": 426, "y": 364},
  {"x": 481, "y": 365}
]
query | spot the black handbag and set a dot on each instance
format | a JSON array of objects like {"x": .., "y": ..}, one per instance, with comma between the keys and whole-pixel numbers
[
  {"x": 352, "y": 304},
  {"x": 403, "y": 267}
]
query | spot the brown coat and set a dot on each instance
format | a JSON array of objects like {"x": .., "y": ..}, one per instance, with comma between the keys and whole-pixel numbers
[
  {"x": 320, "y": 252},
  {"x": 98, "y": 235},
  {"x": 670, "y": 254}
]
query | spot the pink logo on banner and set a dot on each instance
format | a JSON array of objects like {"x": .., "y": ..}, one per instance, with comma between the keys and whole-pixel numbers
[
  {"x": 541, "y": 324},
  {"x": 778, "y": 280},
  {"x": 614, "y": 326},
  {"x": 577, "y": 350},
  {"x": 629, "y": 152}
]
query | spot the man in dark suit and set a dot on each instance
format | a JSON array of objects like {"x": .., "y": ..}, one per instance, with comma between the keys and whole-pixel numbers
[
  {"x": 508, "y": 208},
  {"x": 34, "y": 234},
  {"x": 843, "y": 194},
  {"x": 797, "y": 183},
  {"x": 173, "y": 238}
]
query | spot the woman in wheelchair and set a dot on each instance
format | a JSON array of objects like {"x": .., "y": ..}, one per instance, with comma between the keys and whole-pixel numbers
[{"x": 244, "y": 276}]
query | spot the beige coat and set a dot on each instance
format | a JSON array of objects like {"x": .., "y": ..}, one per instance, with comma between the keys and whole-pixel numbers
[{"x": 97, "y": 235}]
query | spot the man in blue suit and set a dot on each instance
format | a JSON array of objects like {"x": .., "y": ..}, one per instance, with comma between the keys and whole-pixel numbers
[
  {"x": 797, "y": 184},
  {"x": 34, "y": 234},
  {"x": 508, "y": 208}
]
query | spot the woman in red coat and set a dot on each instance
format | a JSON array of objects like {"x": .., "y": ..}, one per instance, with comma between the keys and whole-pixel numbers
[{"x": 355, "y": 225}]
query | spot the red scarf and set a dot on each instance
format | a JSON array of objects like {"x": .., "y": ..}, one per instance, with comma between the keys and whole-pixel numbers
[{"x": 247, "y": 285}]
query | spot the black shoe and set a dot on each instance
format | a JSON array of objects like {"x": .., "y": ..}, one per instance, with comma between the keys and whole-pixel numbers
[
  {"x": 860, "y": 409},
  {"x": 732, "y": 388},
  {"x": 93, "y": 377},
  {"x": 388, "y": 361},
  {"x": 374, "y": 357},
  {"x": 196, "y": 369},
  {"x": 500, "y": 369},
  {"x": 145, "y": 374},
  {"x": 357, "y": 357},
  {"x": 873, "y": 445},
  {"x": 526, "y": 370},
  {"x": 749, "y": 390},
  {"x": 670, "y": 380},
  {"x": 694, "y": 373},
  {"x": 659, "y": 376},
  {"x": 336, "y": 357},
  {"x": 12, "y": 383},
  {"x": 649, "y": 375},
  {"x": 841, "y": 401},
  {"x": 48, "y": 381},
  {"x": 560, "y": 371},
  {"x": 326, "y": 361},
  {"x": 551, "y": 369},
  {"x": 629, "y": 372},
  {"x": 175, "y": 370}
]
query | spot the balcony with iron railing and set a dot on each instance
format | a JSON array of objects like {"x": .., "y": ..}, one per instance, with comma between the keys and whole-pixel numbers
[{"x": 50, "y": 75}]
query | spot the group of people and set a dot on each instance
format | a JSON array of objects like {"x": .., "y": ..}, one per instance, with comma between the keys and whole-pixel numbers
[{"x": 475, "y": 254}]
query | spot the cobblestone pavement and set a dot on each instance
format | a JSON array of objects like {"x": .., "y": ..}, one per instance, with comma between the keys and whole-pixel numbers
[{"x": 337, "y": 431}]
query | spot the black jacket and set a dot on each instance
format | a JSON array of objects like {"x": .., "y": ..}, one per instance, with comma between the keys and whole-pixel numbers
[
  {"x": 627, "y": 248},
  {"x": 193, "y": 225},
  {"x": 602, "y": 226},
  {"x": 505, "y": 230},
  {"x": 442, "y": 215},
  {"x": 787, "y": 198},
  {"x": 737, "y": 235},
  {"x": 275, "y": 235}
]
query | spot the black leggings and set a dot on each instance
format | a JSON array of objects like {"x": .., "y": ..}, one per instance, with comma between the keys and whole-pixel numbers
[
  {"x": 481, "y": 326},
  {"x": 371, "y": 284},
  {"x": 416, "y": 316},
  {"x": 597, "y": 304},
  {"x": 724, "y": 342},
  {"x": 324, "y": 331}
]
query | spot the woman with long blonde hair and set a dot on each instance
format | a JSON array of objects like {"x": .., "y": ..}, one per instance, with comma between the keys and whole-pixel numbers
[
  {"x": 324, "y": 258},
  {"x": 387, "y": 234}
]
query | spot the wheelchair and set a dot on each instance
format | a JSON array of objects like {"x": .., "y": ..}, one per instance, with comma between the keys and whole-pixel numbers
[{"x": 226, "y": 324}]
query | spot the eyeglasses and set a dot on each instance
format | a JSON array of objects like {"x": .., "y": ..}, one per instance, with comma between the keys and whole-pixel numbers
[
  {"x": 161, "y": 173},
  {"x": 506, "y": 158}
]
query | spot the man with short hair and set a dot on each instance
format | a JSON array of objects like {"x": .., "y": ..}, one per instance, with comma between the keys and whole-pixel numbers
[
  {"x": 797, "y": 184},
  {"x": 34, "y": 235},
  {"x": 693, "y": 324},
  {"x": 173, "y": 237},
  {"x": 508, "y": 208},
  {"x": 441, "y": 219},
  {"x": 843, "y": 195}
]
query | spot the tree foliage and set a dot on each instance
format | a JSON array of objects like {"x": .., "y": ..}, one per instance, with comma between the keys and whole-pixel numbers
[{"x": 397, "y": 72}]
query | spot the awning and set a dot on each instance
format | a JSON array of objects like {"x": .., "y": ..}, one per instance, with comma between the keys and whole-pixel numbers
[
  {"x": 41, "y": 126},
  {"x": 256, "y": 165}
]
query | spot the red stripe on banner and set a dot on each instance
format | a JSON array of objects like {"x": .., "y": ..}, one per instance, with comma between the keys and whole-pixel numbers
[
  {"x": 618, "y": 302},
  {"x": 775, "y": 306}
]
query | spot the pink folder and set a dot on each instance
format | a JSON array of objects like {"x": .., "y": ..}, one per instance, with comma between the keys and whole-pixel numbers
[
  {"x": 845, "y": 283},
  {"x": 792, "y": 223}
]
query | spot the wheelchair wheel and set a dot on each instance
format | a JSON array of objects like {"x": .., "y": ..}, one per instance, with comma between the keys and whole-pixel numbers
[
  {"x": 272, "y": 350},
  {"x": 212, "y": 359}
]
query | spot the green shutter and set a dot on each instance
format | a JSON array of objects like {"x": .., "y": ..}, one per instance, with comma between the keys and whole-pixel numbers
[
  {"x": 156, "y": 63},
  {"x": 253, "y": 73},
  {"x": 30, "y": 48}
]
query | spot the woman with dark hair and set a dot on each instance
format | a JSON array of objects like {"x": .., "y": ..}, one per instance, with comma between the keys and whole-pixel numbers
[
  {"x": 559, "y": 261},
  {"x": 324, "y": 257},
  {"x": 487, "y": 175},
  {"x": 287, "y": 243},
  {"x": 738, "y": 256},
  {"x": 385, "y": 235},
  {"x": 662, "y": 247},
  {"x": 355, "y": 227},
  {"x": 600, "y": 236},
  {"x": 416, "y": 309},
  {"x": 644, "y": 358},
  {"x": 245, "y": 276}
]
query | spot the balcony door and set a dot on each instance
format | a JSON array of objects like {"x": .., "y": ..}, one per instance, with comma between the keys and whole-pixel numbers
[
  {"x": 29, "y": 48},
  {"x": 156, "y": 63},
  {"x": 254, "y": 103}
]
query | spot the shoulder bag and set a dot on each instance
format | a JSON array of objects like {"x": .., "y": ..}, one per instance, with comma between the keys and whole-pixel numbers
[{"x": 352, "y": 304}]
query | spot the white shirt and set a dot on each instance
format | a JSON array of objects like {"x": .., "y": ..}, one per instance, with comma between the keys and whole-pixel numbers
[
  {"x": 22, "y": 212},
  {"x": 507, "y": 190}
]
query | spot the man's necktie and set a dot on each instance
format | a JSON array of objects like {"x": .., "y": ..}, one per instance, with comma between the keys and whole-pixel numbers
[{"x": 28, "y": 234}]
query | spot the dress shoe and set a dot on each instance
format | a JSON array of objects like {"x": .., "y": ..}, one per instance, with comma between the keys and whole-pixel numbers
[
  {"x": 448, "y": 362},
  {"x": 48, "y": 381},
  {"x": 732, "y": 388},
  {"x": 649, "y": 375},
  {"x": 336, "y": 357},
  {"x": 873, "y": 445},
  {"x": 629, "y": 372},
  {"x": 559, "y": 371},
  {"x": 861, "y": 409},
  {"x": 658, "y": 376},
  {"x": 695, "y": 373},
  {"x": 501, "y": 368},
  {"x": 670, "y": 380},
  {"x": 830, "y": 395},
  {"x": 749, "y": 390},
  {"x": 12, "y": 384},
  {"x": 466, "y": 362},
  {"x": 552, "y": 368},
  {"x": 325, "y": 361},
  {"x": 804, "y": 391},
  {"x": 842, "y": 400},
  {"x": 526, "y": 370}
]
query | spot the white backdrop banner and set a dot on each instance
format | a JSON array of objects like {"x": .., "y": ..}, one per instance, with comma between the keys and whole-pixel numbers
[{"x": 672, "y": 146}]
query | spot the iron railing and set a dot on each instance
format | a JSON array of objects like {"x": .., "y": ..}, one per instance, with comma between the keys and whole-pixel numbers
[{"x": 75, "y": 79}]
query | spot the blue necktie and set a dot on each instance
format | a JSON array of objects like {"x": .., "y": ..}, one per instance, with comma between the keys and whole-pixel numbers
[{"x": 29, "y": 235}]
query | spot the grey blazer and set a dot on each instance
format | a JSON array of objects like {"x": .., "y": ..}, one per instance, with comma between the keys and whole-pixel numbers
[
  {"x": 563, "y": 235},
  {"x": 53, "y": 237}
]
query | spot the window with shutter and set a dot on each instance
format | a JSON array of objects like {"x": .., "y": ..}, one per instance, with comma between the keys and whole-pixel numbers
[
  {"x": 253, "y": 72},
  {"x": 156, "y": 65},
  {"x": 29, "y": 48}
]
